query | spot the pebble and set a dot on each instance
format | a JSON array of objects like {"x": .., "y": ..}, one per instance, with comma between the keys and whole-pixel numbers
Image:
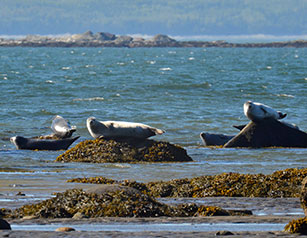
[{"x": 65, "y": 229}]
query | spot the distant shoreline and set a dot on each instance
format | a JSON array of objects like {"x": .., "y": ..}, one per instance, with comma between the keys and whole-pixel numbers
[{"x": 104, "y": 39}]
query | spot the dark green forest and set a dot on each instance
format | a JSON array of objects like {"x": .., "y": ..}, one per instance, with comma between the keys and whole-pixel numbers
[{"x": 173, "y": 17}]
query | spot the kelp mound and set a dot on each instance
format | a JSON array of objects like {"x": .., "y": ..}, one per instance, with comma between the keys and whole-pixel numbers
[
  {"x": 303, "y": 196},
  {"x": 297, "y": 226},
  {"x": 283, "y": 183},
  {"x": 115, "y": 151},
  {"x": 111, "y": 201}
]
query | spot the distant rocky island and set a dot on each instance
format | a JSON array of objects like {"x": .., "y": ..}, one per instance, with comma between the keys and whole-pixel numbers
[{"x": 104, "y": 39}]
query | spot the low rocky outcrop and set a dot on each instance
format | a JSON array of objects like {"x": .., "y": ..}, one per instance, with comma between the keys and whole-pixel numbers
[
  {"x": 283, "y": 183},
  {"x": 116, "y": 151},
  {"x": 105, "y": 39},
  {"x": 268, "y": 133},
  {"x": 300, "y": 225},
  {"x": 113, "y": 201}
]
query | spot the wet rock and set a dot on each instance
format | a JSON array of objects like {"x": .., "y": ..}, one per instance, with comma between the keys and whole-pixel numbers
[
  {"x": 65, "y": 229},
  {"x": 224, "y": 233},
  {"x": 297, "y": 226},
  {"x": 111, "y": 151},
  {"x": 108, "y": 188},
  {"x": 303, "y": 197},
  {"x": 4, "y": 225},
  {"x": 268, "y": 133},
  {"x": 79, "y": 215}
]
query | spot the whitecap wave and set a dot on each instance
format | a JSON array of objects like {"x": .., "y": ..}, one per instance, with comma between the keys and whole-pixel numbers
[
  {"x": 166, "y": 69},
  {"x": 285, "y": 95},
  {"x": 89, "y": 99}
]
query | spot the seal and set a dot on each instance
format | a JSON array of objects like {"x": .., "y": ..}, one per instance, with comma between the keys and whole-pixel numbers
[
  {"x": 120, "y": 129},
  {"x": 23, "y": 143},
  {"x": 257, "y": 112},
  {"x": 214, "y": 139},
  {"x": 61, "y": 127},
  {"x": 294, "y": 126}
]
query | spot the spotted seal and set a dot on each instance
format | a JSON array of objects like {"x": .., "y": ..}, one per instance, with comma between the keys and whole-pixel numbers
[
  {"x": 23, "y": 143},
  {"x": 120, "y": 129},
  {"x": 257, "y": 112}
]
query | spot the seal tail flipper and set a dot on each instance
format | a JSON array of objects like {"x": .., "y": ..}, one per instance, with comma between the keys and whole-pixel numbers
[
  {"x": 281, "y": 115},
  {"x": 239, "y": 127},
  {"x": 158, "y": 131}
]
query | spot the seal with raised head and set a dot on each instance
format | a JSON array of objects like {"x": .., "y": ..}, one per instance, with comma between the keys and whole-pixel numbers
[
  {"x": 257, "y": 112},
  {"x": 120, "y": 129},
  {"x": 23, "y": 143},
  {"x": 61, "y": 127}
]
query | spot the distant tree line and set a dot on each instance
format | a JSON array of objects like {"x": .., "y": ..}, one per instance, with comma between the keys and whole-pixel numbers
[{"x": 174, "y": 17}]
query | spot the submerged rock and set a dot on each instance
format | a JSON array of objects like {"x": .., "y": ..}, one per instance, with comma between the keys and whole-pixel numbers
[
  {"x": 268, "y": 133},
  {"x": 111, "y": 151}
]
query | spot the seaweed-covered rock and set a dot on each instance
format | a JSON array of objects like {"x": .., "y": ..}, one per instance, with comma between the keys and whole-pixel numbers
[
  {"x": 297, "y": 226},
  {"x": 111, "y": 151},
  {"x": 283, "y": 183},
  {"x": 303, "y": 197},
  {"x": 110, "y": 201},
  {"x": 268, "y": 133},
  {"x": 211, "y": 211},
  {"x": 101, "y": 202}
]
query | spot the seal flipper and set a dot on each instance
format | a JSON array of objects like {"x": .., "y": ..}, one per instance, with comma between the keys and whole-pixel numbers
[
  {"x": 239, "y": 127},
  {"x": 281, "y": 115}
]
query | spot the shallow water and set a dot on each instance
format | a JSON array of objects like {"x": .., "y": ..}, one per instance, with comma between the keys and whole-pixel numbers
[
  {"x": 183, "y": 91},
  {"x": 172, "y": 227}
]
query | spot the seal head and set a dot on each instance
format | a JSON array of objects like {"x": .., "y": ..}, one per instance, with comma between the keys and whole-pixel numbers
[{"x": 62, "y": 128}]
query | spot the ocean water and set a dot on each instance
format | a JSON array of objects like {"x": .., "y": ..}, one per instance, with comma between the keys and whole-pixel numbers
[{"x": 183, "y": 91}]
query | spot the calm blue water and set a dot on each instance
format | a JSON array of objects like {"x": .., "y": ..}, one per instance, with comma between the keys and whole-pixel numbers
[{"x": 183, "y": 91}]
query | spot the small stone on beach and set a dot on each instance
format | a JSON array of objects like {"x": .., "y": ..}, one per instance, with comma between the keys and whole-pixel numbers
[{"x": 65, "y": 229}]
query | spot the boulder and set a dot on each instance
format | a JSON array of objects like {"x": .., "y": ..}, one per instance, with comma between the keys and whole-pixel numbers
[
  {"x": 4, "y": 225},
  {"x": 86, "y": 36},
  {"x": 162, "y": 39},
  {"x": 303, "y": 196},
  {"x": 104, "y": 36},
  {"x": 112, "y": 188},
  {"x": 268, "y": 133},
  {"x": 117, "y": 151},
  {"x": 297, "y": 226}
]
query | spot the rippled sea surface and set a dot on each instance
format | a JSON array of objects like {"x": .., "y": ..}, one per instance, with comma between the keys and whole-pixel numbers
[{"x": 183, "y": 91}]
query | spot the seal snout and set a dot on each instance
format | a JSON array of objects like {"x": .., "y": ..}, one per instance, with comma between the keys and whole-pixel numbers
[{"x": 13, "y": 139}]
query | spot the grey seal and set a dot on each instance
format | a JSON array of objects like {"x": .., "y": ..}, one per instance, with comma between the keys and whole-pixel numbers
[
  {"x": 23, "y": 143},
  {"x": 120, "y": 129},
  {"x": 257, "y": 112}
]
